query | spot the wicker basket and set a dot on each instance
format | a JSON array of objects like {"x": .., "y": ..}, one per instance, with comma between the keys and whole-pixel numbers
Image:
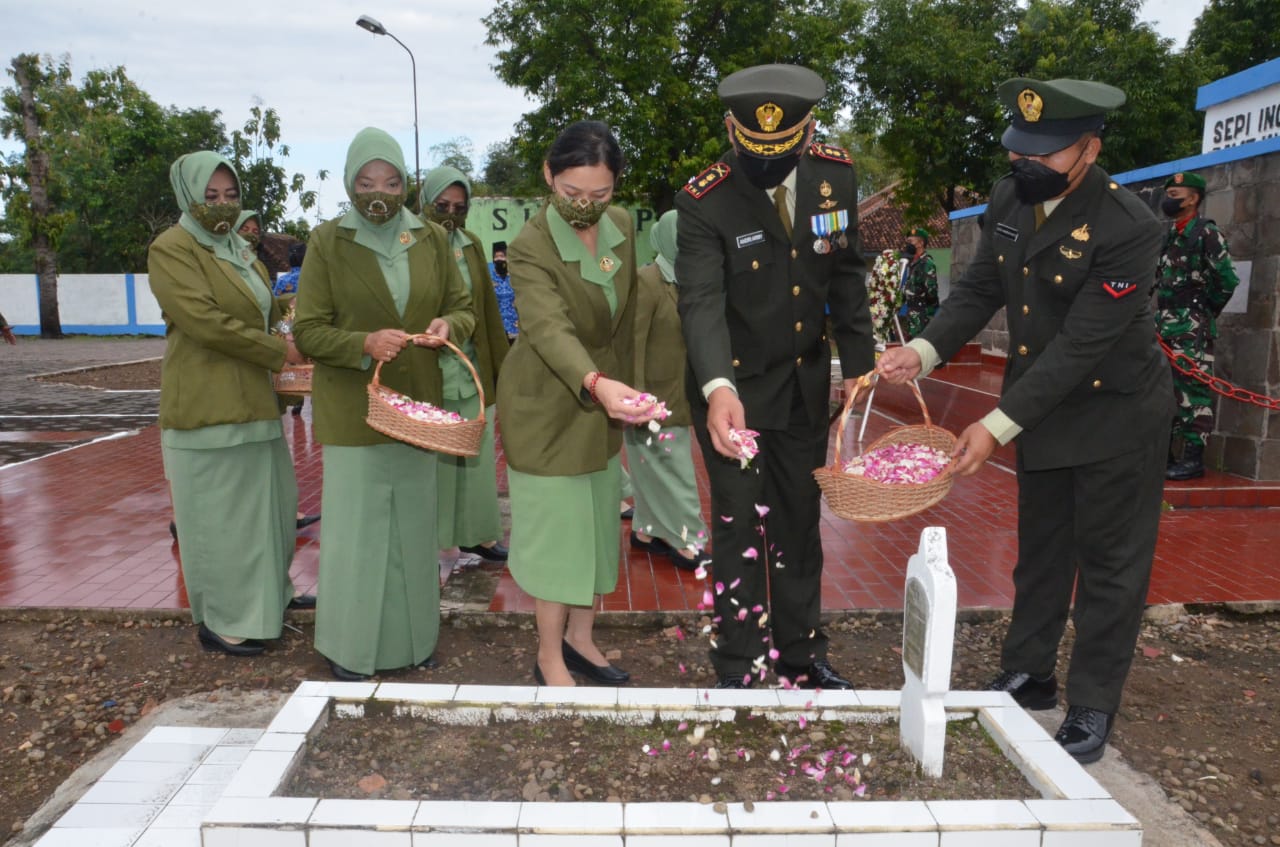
[
  {"x": 293, "y": 379},
  {"x": 857, "y": 498},
  {"x": 461, "y": 438}
]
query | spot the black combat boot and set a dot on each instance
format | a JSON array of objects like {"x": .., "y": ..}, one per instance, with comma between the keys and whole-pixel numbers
[{"x": 1191, "y": 466}]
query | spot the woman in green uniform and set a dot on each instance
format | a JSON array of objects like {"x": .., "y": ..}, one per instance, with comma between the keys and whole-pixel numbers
[
  {"x": 230, "y": 473},
  {"x": 371, "y": 280},
  {"x": 564, "y": 396},
  {"x": 467, "y": 508},
  {"x": 668, "y": 516}
]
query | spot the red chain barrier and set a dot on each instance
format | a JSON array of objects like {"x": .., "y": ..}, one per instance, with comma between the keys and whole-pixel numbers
[{"x": 1187, "y": 366}]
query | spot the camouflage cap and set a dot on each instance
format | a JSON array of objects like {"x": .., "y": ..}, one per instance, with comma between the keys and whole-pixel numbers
[
  {"x": 1186, "y": 179},
  {"x": 1048, "y": 116},
  {"x": 770, "y": 107}
]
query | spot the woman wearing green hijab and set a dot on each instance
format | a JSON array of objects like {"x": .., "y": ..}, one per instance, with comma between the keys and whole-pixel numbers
[
  {"x": 372, "y": 279},
  {"x": 230, "y": 473},
  {"x": 668, "y": 517},
  {"x": 468, "y": 502}
]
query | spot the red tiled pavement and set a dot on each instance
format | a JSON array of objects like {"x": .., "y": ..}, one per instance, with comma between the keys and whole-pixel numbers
[{"x": 87, "y": 527}]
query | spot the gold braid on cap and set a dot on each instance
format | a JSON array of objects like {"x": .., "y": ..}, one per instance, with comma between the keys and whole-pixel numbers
[{"x": 757, "y": 142}]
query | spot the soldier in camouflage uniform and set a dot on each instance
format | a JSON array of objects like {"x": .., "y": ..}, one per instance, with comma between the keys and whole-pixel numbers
[
  {"x": 1194, "y": 281},
  {"x": 920, "y": 290}
]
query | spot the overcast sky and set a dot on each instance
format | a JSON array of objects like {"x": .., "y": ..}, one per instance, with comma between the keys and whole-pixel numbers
[{"x": 326, "y": 77}]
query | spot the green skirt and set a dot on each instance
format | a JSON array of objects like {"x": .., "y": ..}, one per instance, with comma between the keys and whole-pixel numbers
[
  {"x": 666, "y": 490},
  {"x": 378, "y": 597},
  {"x": 236, "y": 510},
  {"x": 467, "y": 508},
  {"x": 565, "y": 533}
]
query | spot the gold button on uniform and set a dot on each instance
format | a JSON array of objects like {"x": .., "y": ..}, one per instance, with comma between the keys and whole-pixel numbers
[
  {"x": 799, "y": 326},
  {"x": 736, "y": 363},
  {"x": 755, "y": 264},
  {"x": 1000, "y": 258},
  {"x": 795, "y": 291},
  {"x": 794, "y": 252},
  {"x": 1057, "y": 280},
  {"x": 1113, "y": 186},
  {"x": 1026, "y": 271},
  {"x": 1022, "y": 349},
  {"x": 1026, "y": 310},
  {"x": 799, "y": 359},
  {"x": 1097, "y": 383}
]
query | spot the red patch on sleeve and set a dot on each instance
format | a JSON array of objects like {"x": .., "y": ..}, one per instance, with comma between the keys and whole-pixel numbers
[{"x": 1118, "y": 289}]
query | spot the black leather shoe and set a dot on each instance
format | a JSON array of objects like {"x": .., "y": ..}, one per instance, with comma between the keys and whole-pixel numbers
[
  {"x": 496, "y": 553},
  {"x": 213, "y": 642},
  {"x": 689, "y": 563},
  {"x": 302, "y": 601},
  {"x": 1029, "y": 692},
  {"x": 820, "y": 674},
  {"x": 653, "y": 545},
  {"x": 173, "y": 530},
  {"x": 307, "y": 520},
  {"x": 341, "y": 673},
  {"x": 1084, "y": 733},
  {"x": 429, "y": 663},
  {"x": 629, "y": 513},
  {"x": 602, "y": 674},
  {"x": 733, "y": 682}
]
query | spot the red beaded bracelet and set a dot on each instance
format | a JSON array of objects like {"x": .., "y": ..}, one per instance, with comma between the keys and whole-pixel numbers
[{"x": 591, "y": 387}]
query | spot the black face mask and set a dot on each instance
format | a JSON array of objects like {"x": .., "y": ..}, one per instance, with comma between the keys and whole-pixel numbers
[
  {"x": 1036, "y": 182},
  {"x": 766, "y": 173},
  {"x": 500, "y": 267},
  {"x": 909, "y": 250},
  {"x": 1171, "y": 206}
]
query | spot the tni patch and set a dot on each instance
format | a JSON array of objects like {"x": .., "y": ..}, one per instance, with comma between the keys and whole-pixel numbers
[{"x": 1119, "y": 288}]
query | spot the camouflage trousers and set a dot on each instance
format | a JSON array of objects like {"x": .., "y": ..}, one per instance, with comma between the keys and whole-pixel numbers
[
  {"x": 1193, "y": 420},
  {"x": 914, "y": 321}
]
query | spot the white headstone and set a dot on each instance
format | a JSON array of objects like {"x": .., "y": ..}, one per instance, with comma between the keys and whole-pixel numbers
[{"x": 928, "y": 633}]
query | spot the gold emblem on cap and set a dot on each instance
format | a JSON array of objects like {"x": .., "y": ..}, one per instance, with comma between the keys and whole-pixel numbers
[
  {"x": 769, "y": 115},
  {"x": 1030, "y": 104},
  {"x": 1081, "y": 233},
  {"x": 404, "y": 237},
  {"x": 606, "y": 264}
]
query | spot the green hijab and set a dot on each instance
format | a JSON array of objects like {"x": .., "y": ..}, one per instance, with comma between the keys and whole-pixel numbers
[
  {"x": 189, "y": 175},
  {"x": 245, "y": 216},
  {"x": 663, "y": 238},
  {"x": 438, "y": 179},
  {"x": 370, "y": 145}
]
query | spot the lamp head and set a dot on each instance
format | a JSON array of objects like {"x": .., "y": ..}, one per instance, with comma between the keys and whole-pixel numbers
[{"x": 367, "y": 23}]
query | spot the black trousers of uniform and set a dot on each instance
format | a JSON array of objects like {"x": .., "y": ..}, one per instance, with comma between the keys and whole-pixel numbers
[
  {"x": 1092, "y": 528},
  {"x": 785, "y": 577}
]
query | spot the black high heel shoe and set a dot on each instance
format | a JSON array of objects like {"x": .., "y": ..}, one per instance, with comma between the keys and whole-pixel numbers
[
  {"x": 341, "y": 673},
  {"x": 603, "y": 674},
  {"x": 213, "y": 642}
]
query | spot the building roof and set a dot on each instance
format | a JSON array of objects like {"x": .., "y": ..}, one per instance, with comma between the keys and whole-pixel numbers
[{"x": 883, "y": 226}]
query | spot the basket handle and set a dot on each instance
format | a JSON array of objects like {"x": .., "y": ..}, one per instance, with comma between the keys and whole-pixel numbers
[
  {"x": 377, "y": 369},
  {"x": 863, "y": 381}
]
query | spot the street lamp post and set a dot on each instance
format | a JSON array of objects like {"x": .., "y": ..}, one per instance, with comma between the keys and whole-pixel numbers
[{"x": 370, "y": 25}]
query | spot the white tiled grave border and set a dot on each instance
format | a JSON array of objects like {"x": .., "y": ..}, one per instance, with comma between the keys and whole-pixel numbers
[{"x": 216, "y": 787}]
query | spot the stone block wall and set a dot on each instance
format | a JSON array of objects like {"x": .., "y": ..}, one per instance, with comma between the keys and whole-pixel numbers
[{"x": 1243, "y": 197}]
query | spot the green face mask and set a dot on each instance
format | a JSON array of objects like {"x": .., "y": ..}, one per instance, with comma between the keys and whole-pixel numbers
[
  {"x": 253, "y": 238},
  {"x": 581, "y": 213},
  {"x": 378, "y": 207},
  {"x": 218, "y": 218},
  {"x": 449, "y": 220}
]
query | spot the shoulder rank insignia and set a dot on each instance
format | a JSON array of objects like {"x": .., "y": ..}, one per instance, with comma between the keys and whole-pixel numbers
[
  {"x": 707, "y": 180},
  {"x": 1117, "y": 288},
  {"x": 831, "y": 153}
]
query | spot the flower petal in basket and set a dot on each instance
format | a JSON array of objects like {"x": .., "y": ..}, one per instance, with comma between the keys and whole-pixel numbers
[{"x": 387, "y": 415}]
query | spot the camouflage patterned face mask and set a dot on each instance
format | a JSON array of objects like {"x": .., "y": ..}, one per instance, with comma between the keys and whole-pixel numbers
[
  {"x": 217, "y": 218},
  {"x": 253, "y": 238},
  {"x": 449, "y": 220},
  {"x": 580, "y": 213},
  {"x": 378, "y": 207}
]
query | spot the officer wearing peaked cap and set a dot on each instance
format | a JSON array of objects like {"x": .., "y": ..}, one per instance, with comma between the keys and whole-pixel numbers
[
  {"x": 768, "y": 239},
  {"x": 1071, "y": 256}
]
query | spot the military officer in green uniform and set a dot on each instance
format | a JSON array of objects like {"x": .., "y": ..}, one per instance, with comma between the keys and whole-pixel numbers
[
  {"x": 768, "y": 239},
  {"x": 1071, "y": 257},
  {"x": 920, "y": 288},
  {"x": 1193, "y": 284}
]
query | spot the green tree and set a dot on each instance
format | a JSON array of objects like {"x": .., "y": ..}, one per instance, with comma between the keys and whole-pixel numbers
[
  {"x": 265, "y": 185},
  {"x": 649, "y": 68},
  {"x": 504, "y": 176},
  {"x": 454, "y": 153},
  {"x": 1232, "y": 35},
  {"x": 874, "y": 167}
]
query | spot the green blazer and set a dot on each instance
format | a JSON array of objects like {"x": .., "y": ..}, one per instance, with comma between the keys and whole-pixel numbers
[
  {"x": 343, "y": 297},
  {"x": 660, "y": 353},
  {"x": 549, "y": 427},
  {"x": 489, "y": 337},
  {"x": 217, "y": 355}
]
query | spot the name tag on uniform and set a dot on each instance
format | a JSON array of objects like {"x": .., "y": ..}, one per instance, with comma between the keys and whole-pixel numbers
[
  {"x": 750, "y": 238},
  {"x": 1005, "y": 231}
]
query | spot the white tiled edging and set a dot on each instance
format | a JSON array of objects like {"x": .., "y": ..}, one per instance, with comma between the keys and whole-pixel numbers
[{"x": 1075, "y": 810}]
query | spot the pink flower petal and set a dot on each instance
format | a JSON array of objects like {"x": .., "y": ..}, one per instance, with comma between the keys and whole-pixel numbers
[
  {"x": 750, "y": 553},
  {"x": 762, "y": 510}
]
